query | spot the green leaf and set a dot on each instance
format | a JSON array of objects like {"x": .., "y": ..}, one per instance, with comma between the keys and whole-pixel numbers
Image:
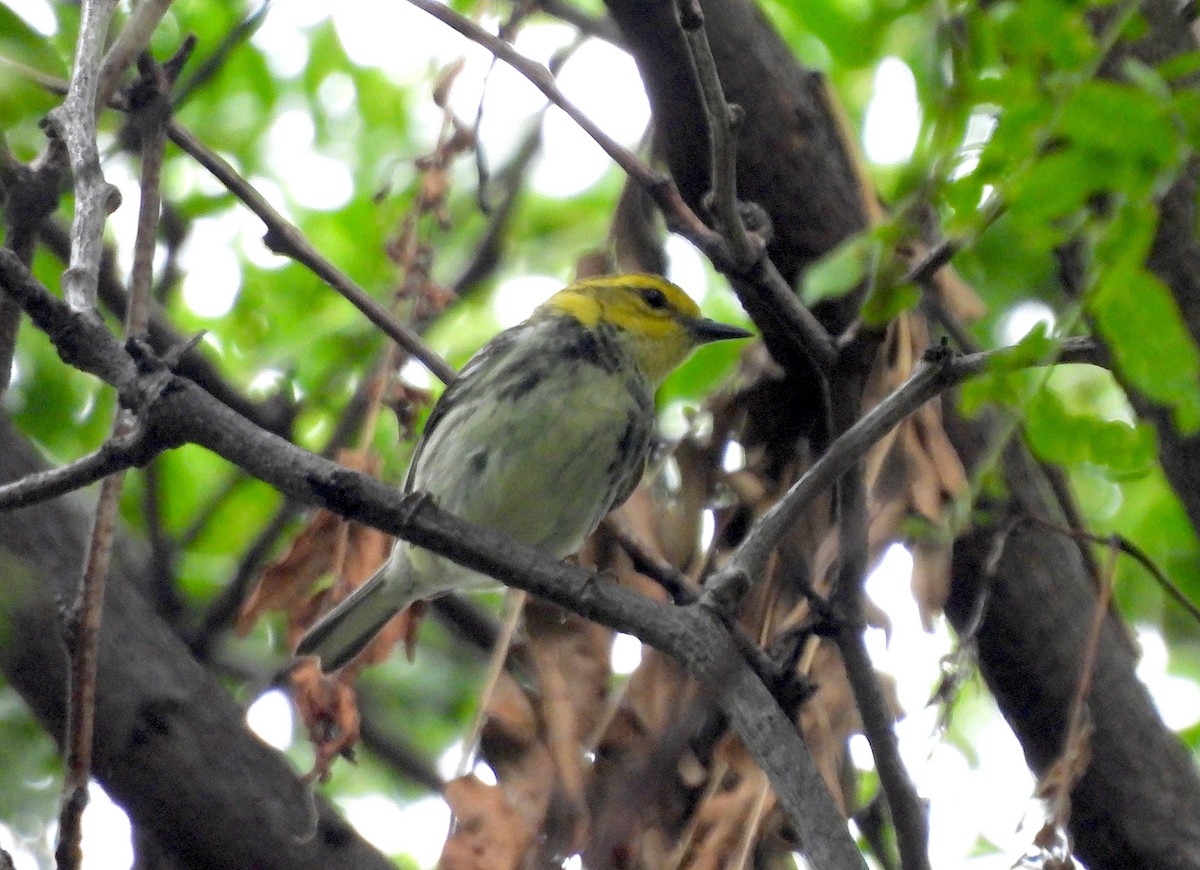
[
  {"x": 841, "y": 270},
  {"x": 1057, "y": 435},
  {"x": 1141, "y": 322},
  {"x": 21, "y": 43},
  {"x": 887, "y": 301}
]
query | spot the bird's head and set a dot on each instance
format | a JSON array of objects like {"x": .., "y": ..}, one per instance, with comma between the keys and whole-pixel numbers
[{"x": 656, "y": 321}]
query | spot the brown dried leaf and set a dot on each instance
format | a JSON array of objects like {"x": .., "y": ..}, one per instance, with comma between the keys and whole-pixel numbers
[
  {"x": 732, "y": 812},
  {"x": 329, "y": 711},
  {"x": 831, "y": 716},
  {"x": 285, "y": 583},
  {"x": 571, "y": 658},
  {"x": 353, "y": 552},
  {"x": 488, "y": 833},
  {"x": 407, "y": 402},
  {"x": 512, "y": 742}
]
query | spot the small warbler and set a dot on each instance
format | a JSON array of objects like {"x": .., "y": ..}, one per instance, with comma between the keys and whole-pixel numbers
[{"x": 544, "y": 431}]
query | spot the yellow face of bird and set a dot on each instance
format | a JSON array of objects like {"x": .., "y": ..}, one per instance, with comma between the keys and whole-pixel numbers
[{"x": 659, "y": 323}]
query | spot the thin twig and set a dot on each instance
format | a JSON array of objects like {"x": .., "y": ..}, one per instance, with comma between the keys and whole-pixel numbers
[
  {"x": 760, "y": 287},
  {"x": 1126, "y": 546},
  {"x": 285, "y": 238},
  {"x": 222, "y": 612},
  {"x": 274, "y": 414},
  {"x": 130, "y": 42},
  {"x": 907, "y": 809},
  {"x": 937, "y": 374},
  {"x": 514, "y": 606},
  {"x": 82, "y": 622},
  {"x": 204, "y": 70},
  {"x": 74, "y": 123},
  {"x": 114, "y": 455},
  {"x": 82, "y": 630},
  {"x": 1072, "y": 763},
  {"x": 752, "y": 824},
  {"x": 673, "y": 581},
  {"x": 722, "y": 124},
  {"x": 600, "y": 28}
]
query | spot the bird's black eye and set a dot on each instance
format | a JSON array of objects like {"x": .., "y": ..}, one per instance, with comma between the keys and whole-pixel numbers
[{"x": 654, "y": 297}]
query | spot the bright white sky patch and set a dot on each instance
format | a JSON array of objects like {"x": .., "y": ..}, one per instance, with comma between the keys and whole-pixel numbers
[
  {"x": 106, "y": 833},
  {"x": 1177, "y": 699},
  {"x": 893, "y": 117},
  {"x": 36, "y": 13},
  {"x": 23, "y": 858},
  {"x": 603, "y": 82},
  {"x": 270, "y": 717},
  {"x": 395, "y": 37},
  {"x": 685, "y": 266},
  {"x": 123, "y": 222},
  {"x": 284, "y": 46},
  {"x": 515, "y": 299},
  {"x": 414, "y": 372},
  {"x": 979, "y": 131},
  {"x": 626, "y": 654},
  {"x": 212, "y": 274},
  {"x": 417, "y": 830},
  {"x": 337, "y": 94},
  {"x": 314, "y": 180},
  {"x": 734, "y": 458},
  {"x": 1017, "y": 322}
]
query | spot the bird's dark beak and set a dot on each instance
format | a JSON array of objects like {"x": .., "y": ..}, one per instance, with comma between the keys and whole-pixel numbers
[{"x": 706, "y": 330}]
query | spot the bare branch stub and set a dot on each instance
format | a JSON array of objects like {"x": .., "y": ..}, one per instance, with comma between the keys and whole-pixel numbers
[{"x": 74, "y": 124}]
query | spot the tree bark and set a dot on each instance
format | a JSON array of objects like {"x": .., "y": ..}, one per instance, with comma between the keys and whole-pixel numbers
[
  {"x": 171, "y": 746},
  {"x": 1127, "y": 808}
]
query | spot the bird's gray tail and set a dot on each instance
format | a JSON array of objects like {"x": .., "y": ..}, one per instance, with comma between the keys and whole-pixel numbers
[{"x": 345, "y": 631}]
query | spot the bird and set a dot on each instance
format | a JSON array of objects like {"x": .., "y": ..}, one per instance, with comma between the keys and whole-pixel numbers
[{"x": 544, "y": 431}]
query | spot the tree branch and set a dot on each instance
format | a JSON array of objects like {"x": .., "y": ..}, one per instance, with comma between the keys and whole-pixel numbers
[
  {"x": 130, "y": 42},
  {"x": 74, "y": 123},
  {"x": 722, "y": 122},
  {"x": 760, "y": 287},
  {"x": 181, "y": 412},
  {"x": 82, "y": 622},
  {"x": 939, "y": 372},
  {"x": 114, "y": 455},
  {"x": 284, "y": 237}
]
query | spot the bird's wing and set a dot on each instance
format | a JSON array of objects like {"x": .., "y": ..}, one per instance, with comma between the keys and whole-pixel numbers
[{"x": 468, "y": 379}]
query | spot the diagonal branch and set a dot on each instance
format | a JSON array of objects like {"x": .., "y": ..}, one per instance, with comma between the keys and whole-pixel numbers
[
  {"x": 181, "y": 413},
  {"x": 760, "y": 287},
  {"x": 113, "y": 456},
  {"x": 722, "y": 123},
  {"x": 939, "y": 372},
  {"x": 284, "y": 237},
  {"x": 132, "y": 39}
]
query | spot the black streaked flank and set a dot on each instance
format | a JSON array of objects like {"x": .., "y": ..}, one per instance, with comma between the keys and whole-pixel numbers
[
  {"x": 529, "y": 379},
  {"x": 629, "y": 462},
  {"x": 479, "y": 462}
]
